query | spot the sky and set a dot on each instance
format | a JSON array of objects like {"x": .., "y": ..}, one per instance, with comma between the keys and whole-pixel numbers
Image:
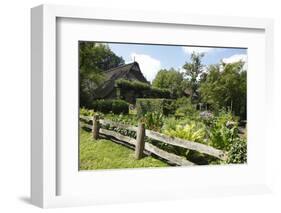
[{"x": 152, "y": 58}]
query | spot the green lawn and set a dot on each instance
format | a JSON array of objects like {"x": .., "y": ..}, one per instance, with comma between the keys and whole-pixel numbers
[{"x": 104, "y": 154}]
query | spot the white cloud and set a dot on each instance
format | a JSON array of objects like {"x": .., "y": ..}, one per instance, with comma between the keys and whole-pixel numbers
[
  {"x": 189, "y": 50},
  {"x": 148, "y": 65},
  {"x": 181, "y": 70},
  {"x": 236, "y": 58}
]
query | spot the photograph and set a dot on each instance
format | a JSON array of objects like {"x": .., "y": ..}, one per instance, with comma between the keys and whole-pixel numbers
[{"x": 161, "y": 105}]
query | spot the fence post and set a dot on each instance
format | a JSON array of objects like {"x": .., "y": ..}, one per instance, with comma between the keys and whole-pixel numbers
[
  {"x": 95, "y": 129},
  {"x": 140, "y": 141}
]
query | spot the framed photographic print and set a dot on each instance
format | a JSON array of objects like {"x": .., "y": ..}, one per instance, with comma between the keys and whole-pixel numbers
[{"x": 130, "y": 106}]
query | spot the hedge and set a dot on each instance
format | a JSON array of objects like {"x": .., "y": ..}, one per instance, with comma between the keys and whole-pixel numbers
[
  {"x": 145, "y": 105},
  {"x": 144, "y": 90},
  {"x": 135, "y": 85},
  {"x": 160, "y": 93},
  {"x": 114, "y": 106}
]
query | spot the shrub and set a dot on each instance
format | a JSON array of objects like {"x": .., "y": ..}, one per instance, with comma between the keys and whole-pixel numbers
[
  {"x": 223, "y": 131},
  {"x": 114, "y": 106},
  {"x": 238, "y": 151},
  {"x": 134, "y": 85},
  {"x": 191, "y": 132},
  {"x": 184, "y": 107},
  {"x": 86, "y": 112},
  {"x": 144, "y": 106},
  {"x": 142, "y": 89},
  {"x": 103, "y": 106},
  {"x": 120, "y": 106},
  {"x": 160, "y": 93},
  {"x": 153, "y": 120},
  {"x": 170, "y": 123}
]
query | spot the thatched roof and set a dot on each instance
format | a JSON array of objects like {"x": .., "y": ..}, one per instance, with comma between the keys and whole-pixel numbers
[{"x": 128, "y": 71}]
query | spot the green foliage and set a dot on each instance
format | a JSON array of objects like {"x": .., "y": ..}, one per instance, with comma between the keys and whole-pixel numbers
[
  {"x": 225, "y": 87},
  {"x": 238, "y": 152},
  {"x": 85, "y": 112},
  {"x": 147, "y": 105},
  {"x": 105, "y": 154},
  {"x": 169, "y": 79},
  {"x": 122, "y": 118},
  {"x": 104, "y": 106},
  {"x": 153, "y": 120},
  {"x": 94, "y": 58},
  {"x": 120, "y": 106},
  {"x": 185, "y": 108},
  {"x": 170, "y": 123},
  {"x": 114, "y": 106},
  {"x": 223, "y": 131},
  {"x": 159, "y": 93},
  {"x": 97, "y": 56},
  {"x": 134, "y": 85},
  {"x": 142, "y": 90},
  {"x": 190, "y": 131},
  {"x": 193, "y": 70}
]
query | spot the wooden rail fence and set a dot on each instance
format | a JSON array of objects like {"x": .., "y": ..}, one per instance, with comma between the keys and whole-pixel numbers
[{"x": 141, "y": 146}]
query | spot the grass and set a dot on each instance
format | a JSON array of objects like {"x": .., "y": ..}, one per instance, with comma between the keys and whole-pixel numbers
[{"x": 105, "y": 154}]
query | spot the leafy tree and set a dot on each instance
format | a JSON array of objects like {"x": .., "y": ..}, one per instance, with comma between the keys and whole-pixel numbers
[
  {"x": 94, "y": 58},
  {"x": 193, "y": 70},
  {"x": 225, "y": 86},
  {"x": 209, "y": 87},
  {"x": 169, "y": 79}
]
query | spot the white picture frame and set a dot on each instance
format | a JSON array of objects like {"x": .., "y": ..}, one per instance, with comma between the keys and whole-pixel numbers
[{"x": 44, "y": 149}]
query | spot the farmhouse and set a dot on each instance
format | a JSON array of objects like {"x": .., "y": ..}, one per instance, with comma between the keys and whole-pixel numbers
[{"x": 108, "y": 89}]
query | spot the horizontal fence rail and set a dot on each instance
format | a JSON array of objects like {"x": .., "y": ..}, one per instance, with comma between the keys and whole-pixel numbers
[
  {"x": 141, "y": 146},
  {"x": 111, "y": 123},
  {"x": 118, "y": 136},
  {"x": 167, "y": 155},
  {"x": 202, "y": 148},
  {"x": 119, "y": 125}
]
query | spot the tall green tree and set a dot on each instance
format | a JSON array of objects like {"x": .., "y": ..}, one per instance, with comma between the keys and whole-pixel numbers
[
  {"x": 169, "y": 79},
  {"x": 193, "y": 70},
  {"x": 94, "y": 59},
  {"x": 225, "y": 87}
]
